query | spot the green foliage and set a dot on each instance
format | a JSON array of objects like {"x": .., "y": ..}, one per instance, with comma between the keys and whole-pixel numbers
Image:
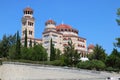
[
  {"x": 118, "y": 14},
  {"x": 18, "y": 46},
  {"x": 55, "y": 63},
  {"x": 63, "y": 58},
  {"x": 30, "y": 43},
  {"x": 0, "y": 62},
  {"x": 52, "y": 51},
  {"x": 98, "y": 54},
  {"x": 117, "y": 44},
  {"x": 94, "y": 64},
  {"x": 85, "y": 65},
  {"x": 71, "y": 55},
  {"x": 36, "y": 53},
  {"x": 113, "y": 60},
  {"x": 12, "y": 52},
  {"x": 57, "y": 54},
  {"x": 10, "y": 46},
  {"x": 110, "y": 69},
  {"x": 24, "y": 53},
  {"x": 6, "y": 43},
  {"x": 40, "y": 53},
  {"x": 25, "y": 44},
  {"x": 98, "y": 65}
]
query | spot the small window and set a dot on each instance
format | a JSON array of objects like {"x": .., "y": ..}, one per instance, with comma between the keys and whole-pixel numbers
[
  {"x": 30, "y": 23},
  {"x": 23, "y": 32},
  {"x": 46, "y": 35},
  {"x": 54, "y": 35},
  {"x": 46, "y": 42},
  {"x": 30, "y": 32}
]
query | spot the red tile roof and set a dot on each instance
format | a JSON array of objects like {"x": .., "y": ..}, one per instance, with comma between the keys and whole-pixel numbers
[
  {"x": 50, "y": 22},
  {"x": 91, "y": 46},
  {"x": 28, "y": 9},
  {"x": 63, "y": 26}
]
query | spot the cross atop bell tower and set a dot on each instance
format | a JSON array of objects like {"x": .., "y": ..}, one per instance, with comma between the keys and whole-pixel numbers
[{"x": 28, "y": 23}]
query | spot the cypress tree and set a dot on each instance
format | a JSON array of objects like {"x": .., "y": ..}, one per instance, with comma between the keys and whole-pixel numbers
[
  {"x": 25, "y": 44},
  {"x": 18, "y": 44},
  {"x": 52, "y": 51}
]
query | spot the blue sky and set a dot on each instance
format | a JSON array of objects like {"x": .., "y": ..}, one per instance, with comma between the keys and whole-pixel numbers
[{"x": 95, "y": 19}]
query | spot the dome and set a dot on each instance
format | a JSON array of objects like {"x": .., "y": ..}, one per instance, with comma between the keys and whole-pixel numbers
[
  {"x": 50, "y": 22},
  {"x": 63, "y": 26},
  {"x": 28, "y": 9},
  {"x": 91, "y": 46}
]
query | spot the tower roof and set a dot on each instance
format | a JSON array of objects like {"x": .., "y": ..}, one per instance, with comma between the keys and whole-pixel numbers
[
  {"x": 28, "y": 9},
  {"x": 91, "y": 46},
  {"x": 50, "y": 22}
]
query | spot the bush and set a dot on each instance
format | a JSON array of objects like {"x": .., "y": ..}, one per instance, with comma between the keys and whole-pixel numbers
[
  {"x": 58, "y": 63},
  {"x": 98, "y": 65},
  {"x": 116, "y": 70},
  {"x": 94, "y": 64},
  {"x": 36, "y": 53},
  {"x": 84, "y": 65},
  {"x": 110, "y": 69},
  {"x": 55, "y": 63}
]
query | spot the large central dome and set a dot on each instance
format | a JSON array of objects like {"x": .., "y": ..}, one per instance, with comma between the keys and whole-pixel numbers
[
  {"x": 63, "y": 26},
  {"x": 66, "y": 28}
]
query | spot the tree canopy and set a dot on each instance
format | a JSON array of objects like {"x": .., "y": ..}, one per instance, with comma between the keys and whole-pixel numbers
[
  {"x": 118, "y": 21},
  {"x": 98, "y": 53},
  {"x": 71, "y": 55}
]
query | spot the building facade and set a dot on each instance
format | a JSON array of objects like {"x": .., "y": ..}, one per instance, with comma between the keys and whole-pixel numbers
[{"x": 60, "y": 34}]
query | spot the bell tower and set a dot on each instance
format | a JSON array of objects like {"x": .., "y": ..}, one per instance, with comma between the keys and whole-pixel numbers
[{"x": 28, "y": 23}]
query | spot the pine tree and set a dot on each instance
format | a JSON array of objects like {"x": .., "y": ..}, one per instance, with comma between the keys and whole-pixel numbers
[
  {"x": 118, "y": 14},
  {"x": 18, "y": 45},
  {"x": 98, "y": 53},
  {"x": 72, "y": 55},
  {"x": 25, "y": 44},
  {"x": 52, "y": 51},
  {"x": 117, "y": 44}
]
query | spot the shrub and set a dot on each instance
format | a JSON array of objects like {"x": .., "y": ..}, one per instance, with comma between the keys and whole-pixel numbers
[
  {"x": 98, "y": 65},
  {"x": 116, "y": 70},
  {"x": 94, "y": 64},
  {"x": 55, "y": 63},
  {"x": 84, "y": 65},
  {"x": 110, "y": 69}
]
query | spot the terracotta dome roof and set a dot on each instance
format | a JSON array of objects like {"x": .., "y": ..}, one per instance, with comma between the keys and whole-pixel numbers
[
  {"x": 63, "y": 26},
  {"x": 28, "y": 9},
  {"x": 91, "y": 46},
  {"x": 50, "y": 22}
]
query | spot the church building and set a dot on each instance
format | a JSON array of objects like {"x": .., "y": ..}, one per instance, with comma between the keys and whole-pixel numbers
[{"x": 60, "y": 34}]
